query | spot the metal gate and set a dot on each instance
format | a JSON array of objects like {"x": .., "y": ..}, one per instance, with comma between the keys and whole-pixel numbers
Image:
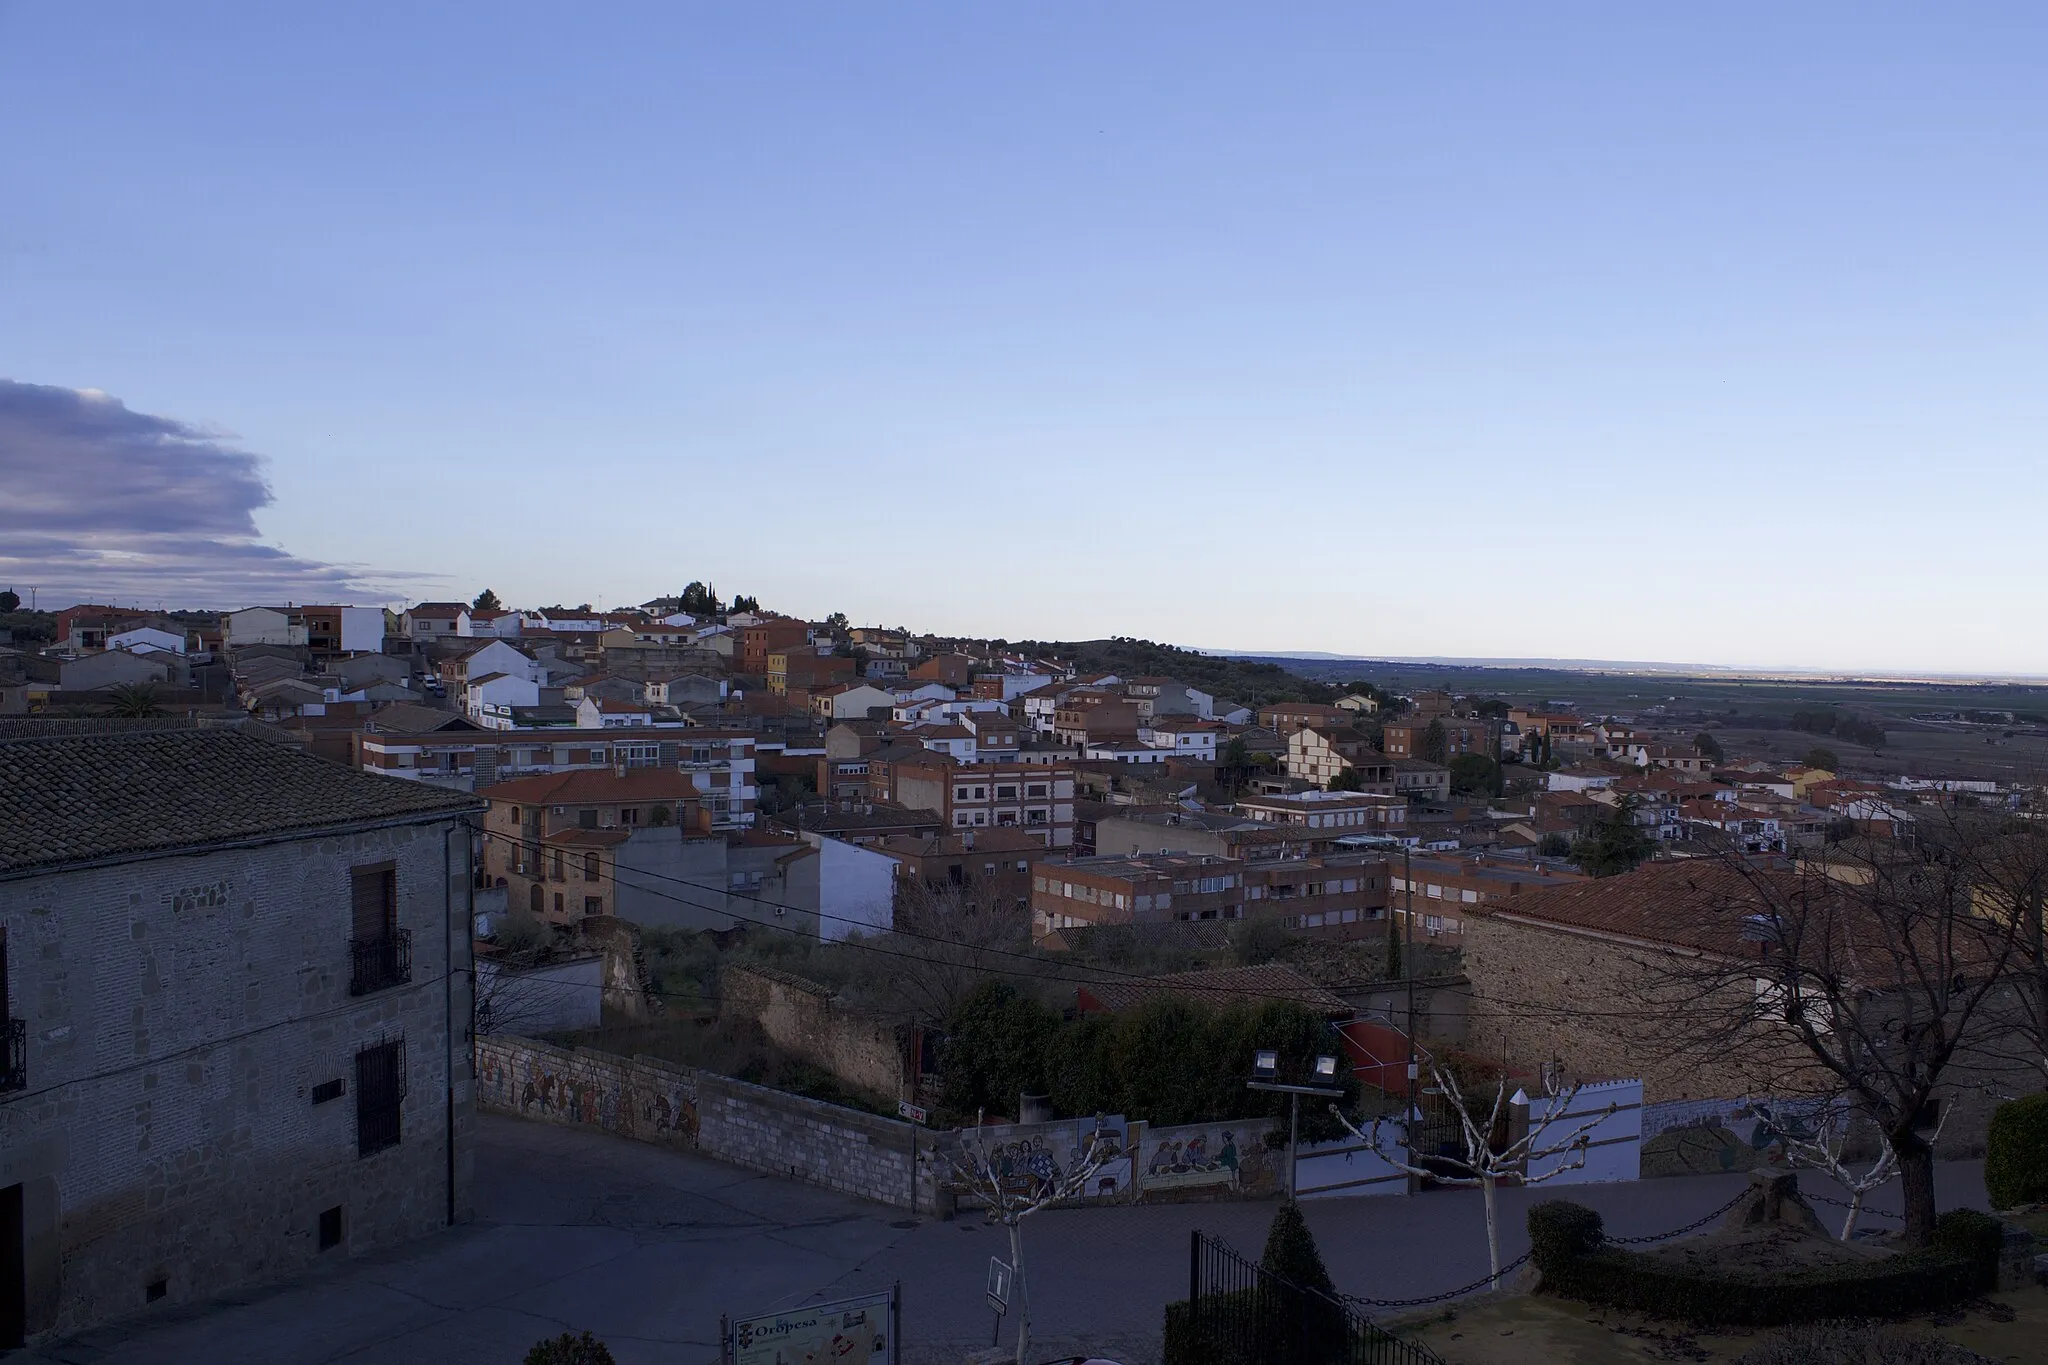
[{"x": 1238, "y": 1314}]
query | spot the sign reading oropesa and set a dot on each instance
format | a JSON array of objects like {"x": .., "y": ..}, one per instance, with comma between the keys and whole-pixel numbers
[{"x": 858, "y": 1331}]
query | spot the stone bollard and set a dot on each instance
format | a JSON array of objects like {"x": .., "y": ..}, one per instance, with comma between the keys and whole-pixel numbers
[
  {"x": 2017, "y": 1263},
  {"x": 1774, "y": 1198}
]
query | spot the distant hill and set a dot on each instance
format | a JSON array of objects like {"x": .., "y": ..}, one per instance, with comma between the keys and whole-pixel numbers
[{"x": 1251, "y": 682}]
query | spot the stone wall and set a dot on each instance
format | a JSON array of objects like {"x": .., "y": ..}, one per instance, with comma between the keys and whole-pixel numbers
[
  {"x": 181, "y": 1011},
  {"x": 801, "y": 1018},
  {"x": 651, "y": 1100}
]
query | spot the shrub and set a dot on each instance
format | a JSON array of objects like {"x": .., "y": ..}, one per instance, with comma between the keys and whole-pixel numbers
[
  {"x": 1560, "y": 1231},
  {"x": 1291, "y": 1252},
  {"x": 568, "y": 1349},
  {"x": 1567, "y": 1245},
  {"x": 2016, "y": 1153}
]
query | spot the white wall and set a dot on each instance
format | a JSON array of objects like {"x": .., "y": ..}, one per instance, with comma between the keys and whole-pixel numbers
[
  {"x": 362, "y": 630},
  {"x": 1350, "y": 1169},
  {"x": 546, "y": 999},
  {"x": 855, "y": 885},
  {"x": 1615, "y": 1150}
]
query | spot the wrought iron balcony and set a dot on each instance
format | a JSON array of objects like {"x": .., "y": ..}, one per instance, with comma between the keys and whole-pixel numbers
[
  {"x": 13, "y": 1055},
  {"x": 380, "y": 963}
]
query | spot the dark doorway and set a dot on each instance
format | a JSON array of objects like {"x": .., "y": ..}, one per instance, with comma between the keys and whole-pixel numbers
[{"x": 13, "y": 1271}]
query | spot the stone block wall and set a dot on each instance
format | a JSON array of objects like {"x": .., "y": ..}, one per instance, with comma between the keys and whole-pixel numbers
[
  {"x": 181, "y": 1012},
  {"x": 801, "y": 1017},
  {"x": 651, "y": 1100}
]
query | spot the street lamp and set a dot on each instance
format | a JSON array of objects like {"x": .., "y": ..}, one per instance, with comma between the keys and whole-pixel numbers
[{"x": 1265, "y": 1067}]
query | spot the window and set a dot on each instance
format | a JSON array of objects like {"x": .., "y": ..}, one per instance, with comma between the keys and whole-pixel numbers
[
  {"x": 959, "y": 793},
  {"x": 558, "y": 865},
  {"x": 1034, "y": 817},
  {"x": 593, "y": 905},
  {"x": 558, "y": 904},
  {"x": 1006, "y": 793},
  {"x": 535, "y": 899},
  {"x": 328, "y": 1090},
  {"x": 586, "y": 819},
  {"x": 380, "y": 953},
  {"x": 592, "y": 868},
  {"x": 981, "y": 793},
  {"x": 380, "y": 1096}
]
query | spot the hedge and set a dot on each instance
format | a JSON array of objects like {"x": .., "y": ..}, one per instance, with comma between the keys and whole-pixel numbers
[
  {"x": 1568, "y": 1246},
  {"x": 2016, "y": 1153}
]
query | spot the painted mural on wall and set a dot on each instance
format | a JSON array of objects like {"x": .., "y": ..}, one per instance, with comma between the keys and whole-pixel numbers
[
  {"x": 1219, "y": 1157},
  {"x": 1031, "y": 1160},
  {"x": 540, "y": 1086},
  {"x": 1706, "y": 1137}
]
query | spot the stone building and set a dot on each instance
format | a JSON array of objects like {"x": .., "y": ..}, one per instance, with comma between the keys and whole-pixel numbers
[{"x": 235, "y": 987}]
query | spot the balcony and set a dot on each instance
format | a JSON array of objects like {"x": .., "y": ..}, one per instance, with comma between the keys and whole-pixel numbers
[
  {"x": 380, "y": 963},
  {"x": 13, "y": 1055}
]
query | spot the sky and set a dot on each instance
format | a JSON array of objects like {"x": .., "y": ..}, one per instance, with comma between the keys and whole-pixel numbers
[{"x": 1691, "y": 333}]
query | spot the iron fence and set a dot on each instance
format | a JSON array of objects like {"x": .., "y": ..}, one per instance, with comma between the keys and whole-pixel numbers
[
  {"x": 381, "y": 962},
  {"x": 1240, "y": 1314}
]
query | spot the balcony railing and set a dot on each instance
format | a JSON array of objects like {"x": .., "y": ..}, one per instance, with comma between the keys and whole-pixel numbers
[
  {"x": 13, "y": 1055},
  {"x": 380, "y": 963}
]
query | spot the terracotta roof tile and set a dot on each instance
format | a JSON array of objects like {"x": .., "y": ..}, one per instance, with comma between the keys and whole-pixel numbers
[{"x": 89, "y": 797}]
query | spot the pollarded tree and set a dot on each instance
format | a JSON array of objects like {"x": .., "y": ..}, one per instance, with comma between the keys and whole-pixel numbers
[
  {"x": 1011, "y": 1188},
  {"x": 1493, "y": 1155},
  {"x": 1819, "y": 1141}
]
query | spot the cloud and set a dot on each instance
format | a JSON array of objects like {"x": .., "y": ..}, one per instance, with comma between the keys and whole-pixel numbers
[{"x": 104, "y": 502}]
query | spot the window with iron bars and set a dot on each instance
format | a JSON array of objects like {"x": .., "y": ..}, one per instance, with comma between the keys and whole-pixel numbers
[{"x": 380, "y": 1095}]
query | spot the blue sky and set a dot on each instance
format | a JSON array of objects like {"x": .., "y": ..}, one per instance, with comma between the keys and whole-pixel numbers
[{"x": 1706, "y": 333}]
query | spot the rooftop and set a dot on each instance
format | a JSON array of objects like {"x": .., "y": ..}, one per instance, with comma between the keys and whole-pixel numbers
[
  {"x": 116, "y": 795},
  {"x": 1220, "y": 986}
]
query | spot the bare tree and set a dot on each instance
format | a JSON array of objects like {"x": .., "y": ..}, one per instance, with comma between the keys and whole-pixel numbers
[
  {"x": 1492, "y": 1153},
  {"x": 949, "y": 939},
  {"x": 1012, "y": 1186},
  {"x": 1819, "y": 1143},
  {"x": 1861, "y": 976}
]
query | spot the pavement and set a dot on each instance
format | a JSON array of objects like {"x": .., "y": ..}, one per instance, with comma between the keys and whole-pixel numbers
[{"x": 648, "y": 1247}]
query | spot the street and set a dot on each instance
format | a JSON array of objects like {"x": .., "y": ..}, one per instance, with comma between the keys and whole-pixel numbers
[{"x": 647, "y": 1248}]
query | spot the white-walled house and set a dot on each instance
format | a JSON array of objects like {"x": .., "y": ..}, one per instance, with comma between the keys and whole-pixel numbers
[
  {"x": 147, "y": 640},
  {"x": 491, "y": 696},
  {"x": 500, "y": 657},
  {"x": 261, "y": 626},
  {"x": 1188, "y": 737}
]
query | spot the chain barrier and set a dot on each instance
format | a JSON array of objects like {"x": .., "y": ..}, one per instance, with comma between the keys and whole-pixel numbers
[
  {"x": 1523, "y": 1259},
  {"x": 1693, "y": 1226},
  {"x": 1843, "y": 1204}
]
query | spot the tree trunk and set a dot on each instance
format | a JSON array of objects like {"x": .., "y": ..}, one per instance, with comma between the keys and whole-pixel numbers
[
  {"x": 1017, "y": 1286},
  {"x": 1855, "y": 1208},
  {"x": 1492, "y": 1232},
  {"x": 1916, "y": 1180}
]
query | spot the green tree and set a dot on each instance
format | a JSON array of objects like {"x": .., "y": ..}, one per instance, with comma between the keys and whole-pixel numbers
[
  {"x": 568, "y": 1349},
  {"x": 996, "y": 1047},
  {"x": 10, "y": 600},
  {"x": 1435, "y": 744},
  {"x": 1259, "y": 940},
  {"x": 1820, "y": 756},
  {"x": 744, "y": 603},
  {"x": 487, "y": 601},
  {"x": 836, "y": 623},
  {"x": 698, "y": 599},
  {"x": 1350, "y": 780},
  {"x": 1708, "y": 747},
  {"x": 1476, "y": 775},
  {"x": 1615, "y": 845},
  {"x": 1554, "y": 846},
  {"x": 135, "y": 701},
  {"x": 1291, "y": 1252},
  {"x": 1234, "y": 764}
]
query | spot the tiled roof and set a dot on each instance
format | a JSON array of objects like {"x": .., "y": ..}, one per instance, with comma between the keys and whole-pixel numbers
[
  {"x": 1692, "y": 903},
  {"x": 1221, "y": 986},
  {"x": 84, "y": 798}
]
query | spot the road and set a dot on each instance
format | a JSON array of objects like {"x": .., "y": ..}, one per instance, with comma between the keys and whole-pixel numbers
[{"x": 647, "y": 1247}]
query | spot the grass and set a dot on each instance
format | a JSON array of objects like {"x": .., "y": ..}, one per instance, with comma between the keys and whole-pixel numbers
[{"x": 1534, "y": 1330}]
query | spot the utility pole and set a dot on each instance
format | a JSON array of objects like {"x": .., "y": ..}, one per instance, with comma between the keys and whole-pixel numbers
[{"x": 1408, "y": 1118}]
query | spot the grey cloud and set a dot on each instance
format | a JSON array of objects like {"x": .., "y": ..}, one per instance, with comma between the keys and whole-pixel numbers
[{"x": 102, "y": 502}]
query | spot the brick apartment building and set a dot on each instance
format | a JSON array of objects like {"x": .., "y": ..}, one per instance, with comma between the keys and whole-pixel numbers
[
  {"x": 1034, "y": 797},
  {"x": 763, "y": 638},
  {"x": 1446, "y": 889},
  {"x": 1334, "y": 812},
  {"x": 1070, "y": 893},
  {"x": 720, "y": 763},
  {"x": 995, "y": 863},
  {"x": 1462, "y": 735},
  {"x": 1281, "y": 717}
]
